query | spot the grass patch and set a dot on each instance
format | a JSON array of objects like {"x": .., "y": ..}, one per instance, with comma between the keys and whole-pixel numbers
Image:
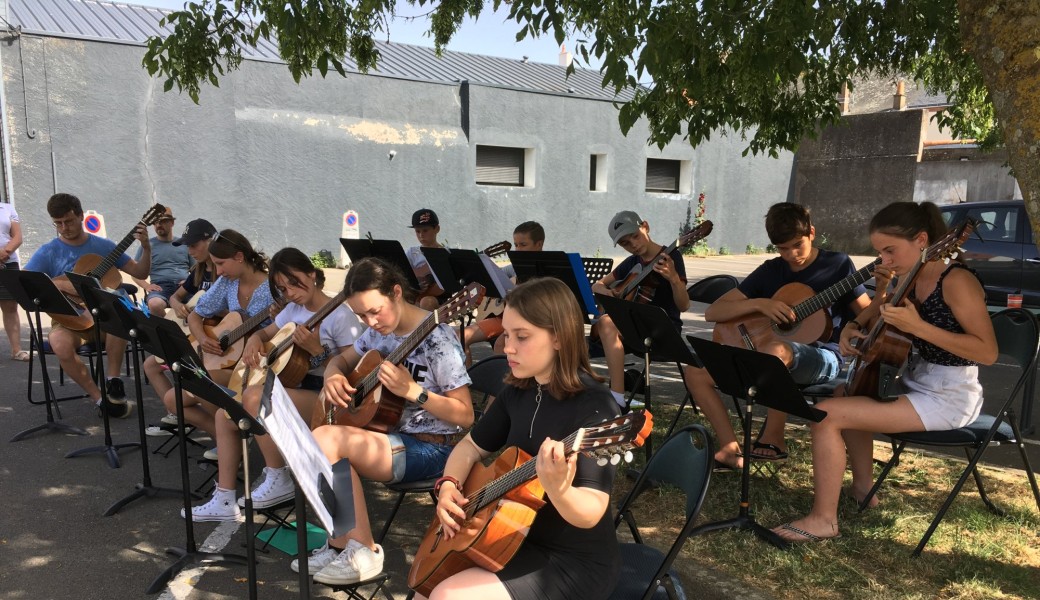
[{"x": 973, "y": 554}]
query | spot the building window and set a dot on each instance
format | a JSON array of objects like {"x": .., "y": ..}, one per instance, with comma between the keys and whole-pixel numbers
[
  {"x": 598, "y": 173},
  {"x": 662, "y": 175},
  {"x": 501, "y": 165}
]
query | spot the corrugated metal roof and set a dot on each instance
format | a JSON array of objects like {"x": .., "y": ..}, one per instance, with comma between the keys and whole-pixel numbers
[{"x": 133, "y": 24}]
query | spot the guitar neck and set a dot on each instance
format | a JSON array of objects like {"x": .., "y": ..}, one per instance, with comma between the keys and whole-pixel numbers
[
  {"x": 490, "y": 493},
  {"x": 408, "y": 345},
  {"x": 319, "y": 315},
  {"x": 248, "y": 325},
  {"x": 648, "y": 270},
  {"x": 830, "y": 295},
  {"x": 110, "y": 259}
]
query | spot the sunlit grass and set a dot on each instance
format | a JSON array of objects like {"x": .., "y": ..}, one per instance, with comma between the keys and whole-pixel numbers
[{"x": 973, "y": 554}]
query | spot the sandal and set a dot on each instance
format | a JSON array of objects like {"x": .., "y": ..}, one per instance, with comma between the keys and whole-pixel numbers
[
  {"x": 778, "y": 454},
  {"x": 20, "y": 356},
  {"x": 805, "y": 535}
]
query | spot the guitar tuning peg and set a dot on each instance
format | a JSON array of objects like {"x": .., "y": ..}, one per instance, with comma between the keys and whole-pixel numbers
[
  {"x": 601, "y": 461},
  {"x": 946, "y": 260},
  {"x": 956, "y": 253},
  {"x": 615, "y": 459},
  {"x": 628, "y": 456}
]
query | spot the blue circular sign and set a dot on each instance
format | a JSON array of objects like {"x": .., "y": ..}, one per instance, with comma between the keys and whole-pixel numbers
[
  {"x": 92, "y": 223},
  {"x": 352, "y": 220}
]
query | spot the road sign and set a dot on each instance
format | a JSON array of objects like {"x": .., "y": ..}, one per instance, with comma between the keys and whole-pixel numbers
[
  {"x": 351, "y": 230},
  {"x": 94, "y": 223}
]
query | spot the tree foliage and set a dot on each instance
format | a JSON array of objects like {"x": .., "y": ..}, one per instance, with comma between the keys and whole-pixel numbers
[{"x": 768, "y": 69}]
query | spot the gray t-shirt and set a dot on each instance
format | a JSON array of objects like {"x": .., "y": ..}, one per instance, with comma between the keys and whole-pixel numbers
[{"x": 169, "y": 263}]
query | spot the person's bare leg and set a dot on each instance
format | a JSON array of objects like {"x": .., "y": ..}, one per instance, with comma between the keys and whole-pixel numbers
[{"x": 702, "y": 388}]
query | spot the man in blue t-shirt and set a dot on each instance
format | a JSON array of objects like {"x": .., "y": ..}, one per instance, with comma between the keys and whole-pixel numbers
[
  {"x": 169, "y": 268},
  {"x": 790, "y": 229},
  {"x": 630, "y": 232},
  {"x": 58, "y": 256}
]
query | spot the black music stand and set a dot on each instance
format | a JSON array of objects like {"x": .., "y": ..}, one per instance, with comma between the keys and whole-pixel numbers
[
  {"x": 597, "y": 268},
  {"x": 171, "y": 345},
  {"x": 121, "y": 310},
  {"x": 389, "y": 250},
  {"x": 441, "y": 267},
  {"x": 753, "y": 377},
  {"x": 36, "y": 293},
  {"x": 86, "y": 287},
  {"x": 566, "y": 267},
  {"x": 647, "y": 330},
  {"x": 470, "y": 268}
]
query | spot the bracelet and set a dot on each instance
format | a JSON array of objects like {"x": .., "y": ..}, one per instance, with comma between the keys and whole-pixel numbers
[
  {"x": 442, "y": 481},
  {"x": 317, "y": 359}
]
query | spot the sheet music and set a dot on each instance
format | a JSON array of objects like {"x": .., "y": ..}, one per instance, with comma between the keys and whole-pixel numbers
[
  {"x": 498, "y": 276},
  {"x": 299, "y": 448}
]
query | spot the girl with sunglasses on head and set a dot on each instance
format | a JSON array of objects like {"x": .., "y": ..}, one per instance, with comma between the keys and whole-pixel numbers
[
  {"x": 241, "y": 286},
  {"x": 571, "y": 550},
  {"x": 947, "y": 319},
  {"x": 293, "y": 277},
  {"x": 433, "y": 382}
]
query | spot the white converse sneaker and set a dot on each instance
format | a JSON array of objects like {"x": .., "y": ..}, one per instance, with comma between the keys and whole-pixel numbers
[
  {"x": 356, "y": 563},
  {"x": 157, "y": 431},
  {"x": 210, "y": 454},
  {"x": 169, "y": 419},
  {"x": 221, "y": 507},
  {"x": 318, "y": 560},
  {"x": 277, "y": 487}
]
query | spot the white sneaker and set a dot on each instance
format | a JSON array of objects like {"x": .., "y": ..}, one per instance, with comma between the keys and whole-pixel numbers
[
  {"x": 169, "y": 419},
  {"x": 356, "y": 563},
  {"x": 157, "y": 431},
  {"x": 221, "y": 507},
  {"x": 318, "y": 560},
  {"x": 210, "y": 454},
  {"x": 277, "y": 487}
]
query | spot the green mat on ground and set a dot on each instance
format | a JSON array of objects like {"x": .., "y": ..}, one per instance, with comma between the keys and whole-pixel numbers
[{"x": 284, "y": 538}]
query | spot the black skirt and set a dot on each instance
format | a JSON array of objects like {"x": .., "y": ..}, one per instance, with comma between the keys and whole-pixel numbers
[{"x": 538, "y": 573}]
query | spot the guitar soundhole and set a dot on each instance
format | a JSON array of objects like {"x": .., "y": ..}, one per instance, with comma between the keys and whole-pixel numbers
[{"x": 785, "y": 327}]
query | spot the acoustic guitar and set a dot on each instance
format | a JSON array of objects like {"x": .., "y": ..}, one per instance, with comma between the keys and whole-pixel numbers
[
  {"x": 171, "y": 315},
  {"x": 230, "y": 332},
  {"x": 281, "y": 356},
  {"x": 638, "y": 286},
  {"x": 378, "y": 409},
  {"x": 811, "y": 322},
  {"x": 885, "y": 349},
  {"x": 102, "y": 268},
  {"x": 504, "y": 499}
]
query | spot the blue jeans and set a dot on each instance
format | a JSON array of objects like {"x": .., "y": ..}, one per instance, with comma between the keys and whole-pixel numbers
[
  {"x": 812, "y": 364},
  {"x": 414, "y": 460}
]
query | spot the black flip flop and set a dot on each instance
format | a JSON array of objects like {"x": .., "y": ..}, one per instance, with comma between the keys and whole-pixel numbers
[{"x": 778, "y": 454}]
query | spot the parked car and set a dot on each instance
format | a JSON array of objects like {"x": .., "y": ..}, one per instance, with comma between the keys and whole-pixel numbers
[{"x": 1006, "y": 258}]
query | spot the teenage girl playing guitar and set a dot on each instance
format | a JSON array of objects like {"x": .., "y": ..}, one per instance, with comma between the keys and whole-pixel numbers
[
  {"x": 952, "y": 333},
  {"x": 571, "y": 550}
]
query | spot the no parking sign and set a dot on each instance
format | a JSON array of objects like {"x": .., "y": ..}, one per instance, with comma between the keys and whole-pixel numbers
[
  {"x": 94, "y": 223},
  {"x": 351, "y": 230}
]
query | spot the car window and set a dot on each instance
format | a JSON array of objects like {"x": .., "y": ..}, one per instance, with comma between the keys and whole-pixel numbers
[
  {"x": 947, "y": 216},
  {"x": 996, "y": 224}
]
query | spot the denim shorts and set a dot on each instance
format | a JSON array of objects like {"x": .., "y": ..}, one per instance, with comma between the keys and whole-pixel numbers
[
  {"x": 167, "y": 291},
  {"x": 812, "y": 365},
  {"x": 414, "y": 460}
]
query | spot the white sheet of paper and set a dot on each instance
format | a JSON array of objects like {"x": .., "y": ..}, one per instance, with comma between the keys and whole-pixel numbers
[
  {"x": 502, "y": 281},
  {"x": 299, "y": 448}
]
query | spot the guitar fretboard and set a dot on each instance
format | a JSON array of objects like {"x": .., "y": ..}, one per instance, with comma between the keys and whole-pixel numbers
[
  {"x": 110, "y": 259},
  {"x": 830, "y": 295},
  {"x": 409, "y": 344}
]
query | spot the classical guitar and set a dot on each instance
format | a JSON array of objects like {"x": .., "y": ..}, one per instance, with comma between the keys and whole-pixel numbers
[
  {"x": 811, "y": 322},
  {"x": 230, "y": 332},
  {"x": 171, "y": 314},
  {"x": 503, "y": 500},
  {"x": 638, "y": 286},
  {"x": 885, "y": 349},
  {"x": 281, "y": 356},
  {"x": 375, "y": 408},
  {"x": 103, "y": 268}
]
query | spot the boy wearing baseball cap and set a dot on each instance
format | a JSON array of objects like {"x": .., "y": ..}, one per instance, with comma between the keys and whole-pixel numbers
[
  {"x": 630, "y": 232},
  {"x": 426, "y": 226}
]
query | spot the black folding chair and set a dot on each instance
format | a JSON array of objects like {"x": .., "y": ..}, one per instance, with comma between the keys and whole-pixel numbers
[
  {"x": 685, "y": 461},
  {"x": 1018, "y": 337}
]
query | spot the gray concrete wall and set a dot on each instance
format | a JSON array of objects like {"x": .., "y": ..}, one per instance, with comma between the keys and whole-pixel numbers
[
  {"x": 281, "y": 161},
  {"x": 982, "y": 177},
  {"x": 855, "y": 168}
]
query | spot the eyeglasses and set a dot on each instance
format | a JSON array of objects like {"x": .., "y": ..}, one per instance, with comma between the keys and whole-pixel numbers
[
  {"x": 166, "y": 220},
  {"x": 217, "y": 237},
  {"x": 65, "y": 223}
]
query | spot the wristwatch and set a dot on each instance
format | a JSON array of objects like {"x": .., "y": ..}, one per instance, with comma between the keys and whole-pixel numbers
[{"x": 422, "y": 398}]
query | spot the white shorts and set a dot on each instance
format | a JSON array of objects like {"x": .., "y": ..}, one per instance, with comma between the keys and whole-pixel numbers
[{"x": 944, "y": 397}]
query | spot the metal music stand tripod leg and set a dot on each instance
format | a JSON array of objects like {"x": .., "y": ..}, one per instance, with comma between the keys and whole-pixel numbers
[
  {"x": 110, "y": 450},
  {"x": 50, "y": 425},
  {"x": 145, "y": 489},
  {"x": 190, "y": 554}
]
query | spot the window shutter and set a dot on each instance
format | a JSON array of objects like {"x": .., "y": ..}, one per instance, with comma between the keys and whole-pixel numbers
[
  {"x": 499, "y": 165},
  {"x": 662, "y": 175}
]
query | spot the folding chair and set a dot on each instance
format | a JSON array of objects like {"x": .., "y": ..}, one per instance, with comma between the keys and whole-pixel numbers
[
  {"x": 685, "y": 461},
  {"x": 1018, "y": 337},
  {"x": 488, "y": 377}
]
